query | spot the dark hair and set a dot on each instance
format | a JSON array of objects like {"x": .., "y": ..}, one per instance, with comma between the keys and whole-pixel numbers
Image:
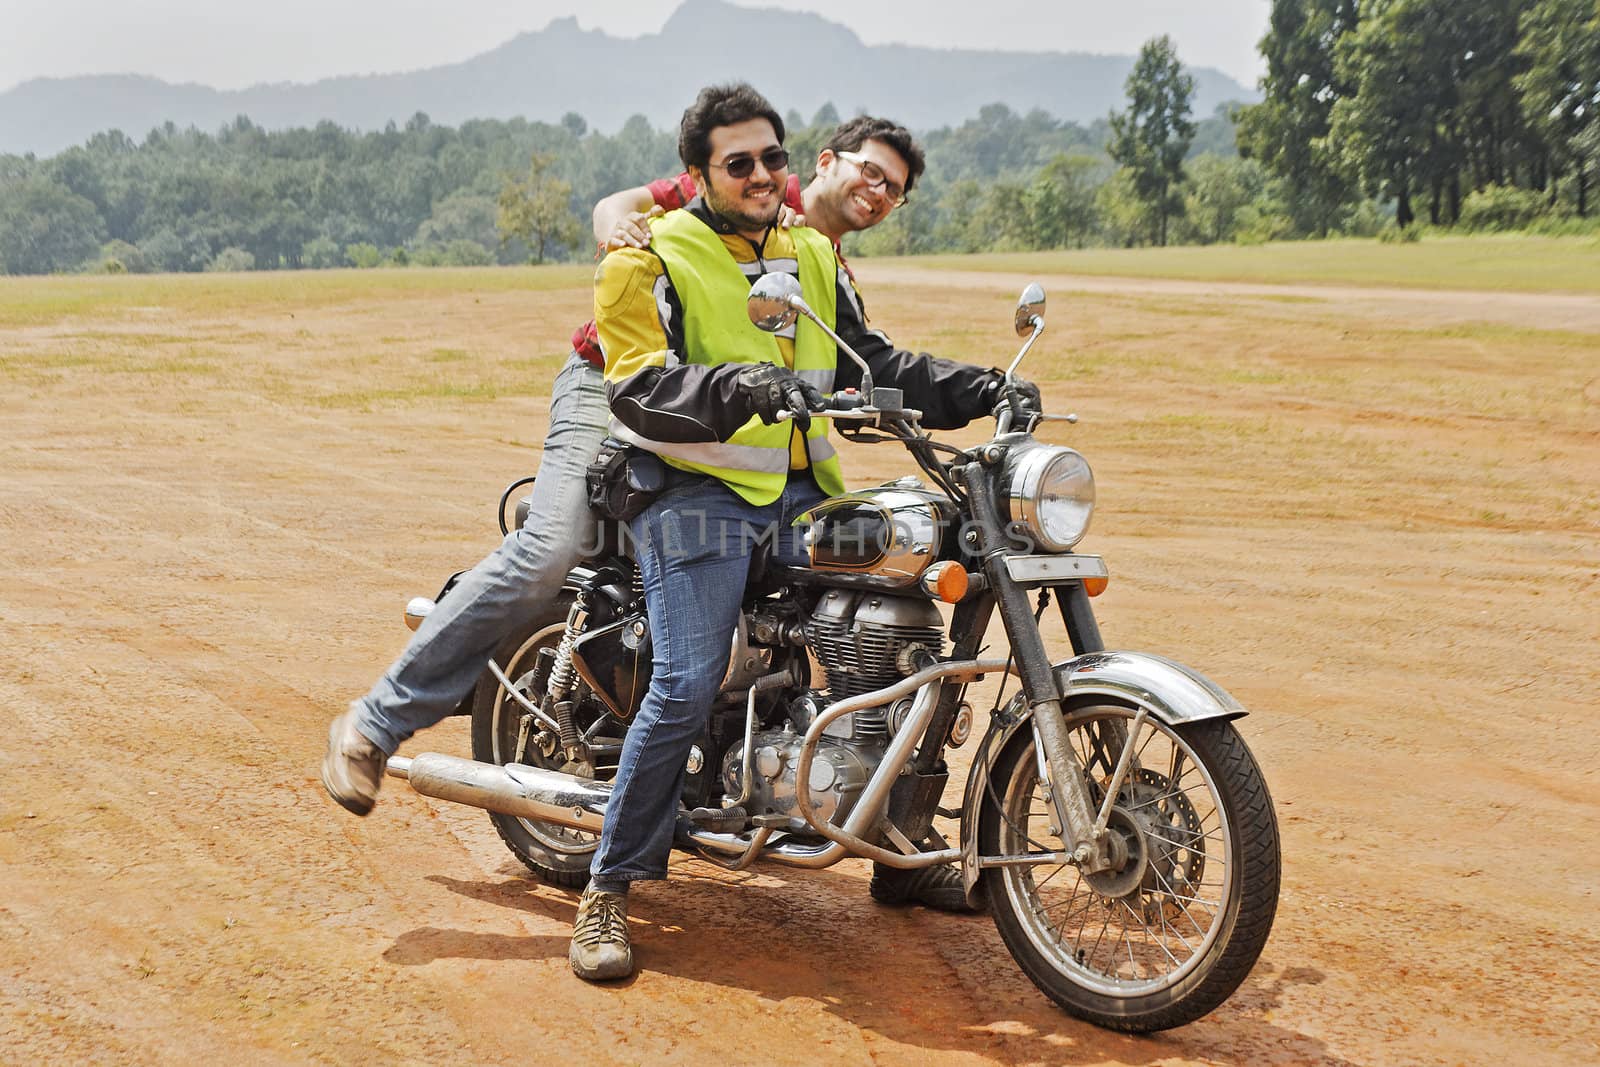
[
  {"x": 720, "y": 105},
  {"x": 851, "y": 135}
]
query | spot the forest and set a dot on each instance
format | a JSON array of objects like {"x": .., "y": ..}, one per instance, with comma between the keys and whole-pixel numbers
[{"x": 1379, "y": 117}]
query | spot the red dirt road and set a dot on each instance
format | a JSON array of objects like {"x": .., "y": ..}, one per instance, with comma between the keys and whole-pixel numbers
[{"x": 1374, "y": 523}]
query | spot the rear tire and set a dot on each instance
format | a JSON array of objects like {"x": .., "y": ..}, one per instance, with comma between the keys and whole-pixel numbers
[
  {"x": 558, "y": 855},
  {"x": 1172, "y": 934}
]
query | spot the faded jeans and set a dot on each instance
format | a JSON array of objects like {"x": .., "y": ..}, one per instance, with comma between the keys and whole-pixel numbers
[
  {"x": 524, "y": 574},
  {"x": 694, "y": 545}
]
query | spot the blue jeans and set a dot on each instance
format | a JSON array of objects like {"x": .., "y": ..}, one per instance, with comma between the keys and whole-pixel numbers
[
  {"x": 694, "y": 545},
  {"x": 445, "y": 656}
]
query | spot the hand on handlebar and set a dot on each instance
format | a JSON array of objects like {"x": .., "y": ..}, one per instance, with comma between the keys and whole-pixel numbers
[
  {"x": 775, "y": 391},
  {"x": 1001, "y": 392}
]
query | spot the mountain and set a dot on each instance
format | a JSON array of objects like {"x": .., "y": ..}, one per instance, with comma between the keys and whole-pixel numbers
[{"x": 800, "y": 61}]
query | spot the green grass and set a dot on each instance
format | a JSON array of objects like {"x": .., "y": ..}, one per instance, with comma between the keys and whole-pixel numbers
[
  {"x": 34, "y": 301},
  {"x": 1511, "y": 262}
]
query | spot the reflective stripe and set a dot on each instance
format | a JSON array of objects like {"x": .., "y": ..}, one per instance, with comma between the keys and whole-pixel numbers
[
  {"x": 716, "y": 453},
  {"x": 820, "y": 449},
  {"x": 820, "y": 378},
  {"x": 847, "y": 286},
  {"x": 764, "y": 266},
  {"x": 663, "y": 308}
]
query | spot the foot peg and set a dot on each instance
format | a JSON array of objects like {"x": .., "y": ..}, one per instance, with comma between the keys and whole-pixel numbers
[{"x": 720, "y": 820}]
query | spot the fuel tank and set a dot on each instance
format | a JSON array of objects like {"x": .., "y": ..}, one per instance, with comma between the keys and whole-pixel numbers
[{"x": 885, "y": 537}]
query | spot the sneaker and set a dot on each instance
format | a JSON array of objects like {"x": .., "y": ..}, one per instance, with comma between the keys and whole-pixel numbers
[
  {"x": 600, "y": 948},
  {"x": 939, "y": 888},
  {"x": 352, "y": 768}
]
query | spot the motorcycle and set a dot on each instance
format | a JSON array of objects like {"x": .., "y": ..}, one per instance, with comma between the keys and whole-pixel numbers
[{"x": 1112, "y": 815}]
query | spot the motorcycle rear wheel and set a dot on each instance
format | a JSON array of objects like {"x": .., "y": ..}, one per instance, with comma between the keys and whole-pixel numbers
[
  {"x": 558, "y": 855},
  {"x": 1172, "y": 934}
]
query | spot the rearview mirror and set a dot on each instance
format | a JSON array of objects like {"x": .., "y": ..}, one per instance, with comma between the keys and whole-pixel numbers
[
  {"x": 774, "y": 302},
  {"x": 1030, "y": 309}
]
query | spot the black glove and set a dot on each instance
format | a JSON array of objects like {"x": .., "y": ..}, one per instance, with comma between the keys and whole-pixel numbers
[
  {"x": 995, "y": 391},
  {"x": 769, "y": 389}
]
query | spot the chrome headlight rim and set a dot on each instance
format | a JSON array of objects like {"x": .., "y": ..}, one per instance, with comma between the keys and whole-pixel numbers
[{"x": 1026, "y": 478}]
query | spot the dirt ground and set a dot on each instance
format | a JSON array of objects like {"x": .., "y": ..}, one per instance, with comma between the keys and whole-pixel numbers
[{"x": 1373, "y": 517}]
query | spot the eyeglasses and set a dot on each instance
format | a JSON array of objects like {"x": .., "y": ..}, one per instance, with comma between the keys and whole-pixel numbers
[
  {"x": 743, "y": 164},
  {"x": 876, "y": 178}
]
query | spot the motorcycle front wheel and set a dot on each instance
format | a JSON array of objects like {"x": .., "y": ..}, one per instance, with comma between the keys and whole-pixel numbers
[
  {"x": 1171, "y": 932},
  {"x": 557, "y": 854}
]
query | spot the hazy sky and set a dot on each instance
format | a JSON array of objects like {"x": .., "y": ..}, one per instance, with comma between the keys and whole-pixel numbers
[{"x": 228, "y": 44}]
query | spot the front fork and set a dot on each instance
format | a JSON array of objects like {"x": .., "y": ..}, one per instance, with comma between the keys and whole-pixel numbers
[{"x": 1061, "y": 774}]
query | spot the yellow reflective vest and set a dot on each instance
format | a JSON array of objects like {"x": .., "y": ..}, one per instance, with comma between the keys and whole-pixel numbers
[{"x": 712, "y": 289}]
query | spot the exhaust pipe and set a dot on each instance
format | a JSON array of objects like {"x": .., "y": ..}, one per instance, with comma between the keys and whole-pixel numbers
[{"x": 514, "y": 789}]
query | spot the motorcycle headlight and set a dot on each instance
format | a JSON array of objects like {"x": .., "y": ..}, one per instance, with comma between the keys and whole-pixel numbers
[{"x": 1050, "y": 491}]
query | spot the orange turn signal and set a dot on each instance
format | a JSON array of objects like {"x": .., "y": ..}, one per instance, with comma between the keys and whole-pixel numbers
[
  {"x": 945, "y": 581},
  {"x": 1095, "y": 586}
]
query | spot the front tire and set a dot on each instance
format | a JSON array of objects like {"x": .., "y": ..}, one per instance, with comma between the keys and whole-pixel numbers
[
  {"x": 558, "y": 855},
  {"x": 1172, "y": 933}
]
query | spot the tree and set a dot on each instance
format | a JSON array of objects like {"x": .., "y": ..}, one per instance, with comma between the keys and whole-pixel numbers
[
  {"x": 1219, "y": 191},
  {"x": 1061, "y": 201},
  {"x": 1288, "y": 130},
  {"x": 364, "y": 255},
  {"x": 1004, "y": 220},
  {"x": 45, "y": 228},
  {"x": 1125, "y": 217},
  {"x": 538, "y": 211},
  {"x": 957, "y": 229},
  {"x": 460, "y": 216},
  {"x": 1387, "y": 128},
  {"x": 1152, "y": 137},
  {"x": 1432, "y": 113},
  {"x": 120, "y": 257},
  {"x": 1560, "y": 89},
  {"x": 231, "y": 259},
  {"x": 320, "y": 253}
]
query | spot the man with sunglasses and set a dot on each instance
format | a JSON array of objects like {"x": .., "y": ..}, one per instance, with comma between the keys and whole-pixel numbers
[
  {"x": 863, "y": 172},
  {"x": 689, "y": 379},
  {"x": 866, "y": 169}
]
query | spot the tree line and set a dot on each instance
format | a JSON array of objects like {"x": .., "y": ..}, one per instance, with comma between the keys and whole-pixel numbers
[
  {"x": 1480, "y": 113},
  {"x": 1473, "y": 112},
  {"x": 494, "y": 191}
]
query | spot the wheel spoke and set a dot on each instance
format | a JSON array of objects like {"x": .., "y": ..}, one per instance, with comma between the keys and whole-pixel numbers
[{"x": 1172, "y": 895}]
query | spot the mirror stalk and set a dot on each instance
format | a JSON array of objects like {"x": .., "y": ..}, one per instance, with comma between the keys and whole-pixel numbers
[{"x": 775, "y": 302}]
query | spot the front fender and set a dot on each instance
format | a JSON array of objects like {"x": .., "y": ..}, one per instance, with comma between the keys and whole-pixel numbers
[{"x": 1169, "y": 691}]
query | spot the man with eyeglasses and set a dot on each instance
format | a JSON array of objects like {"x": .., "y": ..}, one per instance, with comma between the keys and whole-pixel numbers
[{"x": 691, "y": 380}]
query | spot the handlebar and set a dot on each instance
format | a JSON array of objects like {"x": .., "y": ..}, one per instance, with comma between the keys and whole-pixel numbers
[{"x": 851, "y": 405}]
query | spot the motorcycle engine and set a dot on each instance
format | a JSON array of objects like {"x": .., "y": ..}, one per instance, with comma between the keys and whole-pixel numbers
[
  {"x": 839, "y": 772},
  {"x": 863, "y": 641}
]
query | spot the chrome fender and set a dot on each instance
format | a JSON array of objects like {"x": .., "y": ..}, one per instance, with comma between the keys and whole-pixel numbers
[{"x": 1168, "y": 690}]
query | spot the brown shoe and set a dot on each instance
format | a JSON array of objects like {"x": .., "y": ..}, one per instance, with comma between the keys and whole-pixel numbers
[
  {"x": 352, "y": 769},
  {"x": 600, "y": 948}
]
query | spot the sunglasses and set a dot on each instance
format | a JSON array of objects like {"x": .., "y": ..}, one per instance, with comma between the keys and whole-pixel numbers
[
  {"x": 876, "y": 179},
  {"x": 743, "y": 165}
]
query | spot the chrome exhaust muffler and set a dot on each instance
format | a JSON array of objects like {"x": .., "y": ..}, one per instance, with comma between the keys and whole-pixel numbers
[{"x": 514, "y": 789}]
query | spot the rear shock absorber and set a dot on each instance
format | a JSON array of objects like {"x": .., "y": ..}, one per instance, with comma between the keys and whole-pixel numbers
[{"x": 564, "y": 680}]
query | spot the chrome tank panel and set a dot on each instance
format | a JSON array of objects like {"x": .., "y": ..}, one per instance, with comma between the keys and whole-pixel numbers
[{"x": 887, "y": 536}]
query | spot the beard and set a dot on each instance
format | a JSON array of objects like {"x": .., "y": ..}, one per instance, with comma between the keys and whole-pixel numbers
[{"x": 743, "y": 214}]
